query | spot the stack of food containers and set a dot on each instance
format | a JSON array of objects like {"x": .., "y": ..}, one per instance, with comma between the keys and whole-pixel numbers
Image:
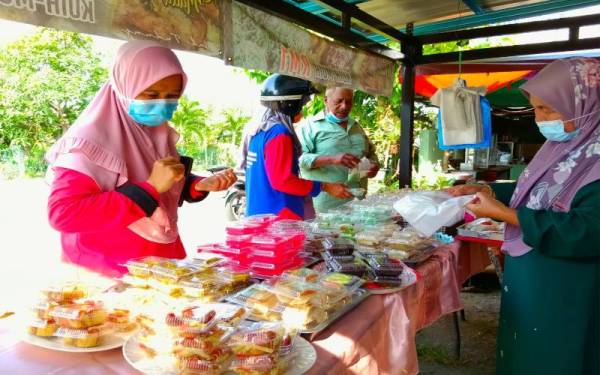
[{"x": 262, "y": 244}]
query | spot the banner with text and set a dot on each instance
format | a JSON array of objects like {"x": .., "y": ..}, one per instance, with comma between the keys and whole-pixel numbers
[
  {"x": 261, "y": 41},
  {"x": 181, "y": 24}
]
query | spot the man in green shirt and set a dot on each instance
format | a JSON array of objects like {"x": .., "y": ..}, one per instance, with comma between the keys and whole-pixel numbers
[{"x": 332, "y": 144}]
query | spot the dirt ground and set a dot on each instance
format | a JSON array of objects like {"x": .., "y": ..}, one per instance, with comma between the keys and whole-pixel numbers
[{"x": 436, "y": 344}]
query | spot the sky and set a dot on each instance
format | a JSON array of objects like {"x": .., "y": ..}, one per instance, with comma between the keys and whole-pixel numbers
[{"x": 213, "y": 83}]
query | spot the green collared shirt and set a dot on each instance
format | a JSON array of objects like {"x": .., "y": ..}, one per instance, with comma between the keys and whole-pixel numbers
[{"x": 320, "y": 137}]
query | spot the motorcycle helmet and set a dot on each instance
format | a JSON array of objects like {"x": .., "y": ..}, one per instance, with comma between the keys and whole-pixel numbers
[{"x": 286, "y": 94}]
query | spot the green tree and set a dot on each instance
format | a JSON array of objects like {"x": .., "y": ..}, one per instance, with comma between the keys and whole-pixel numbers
[
  {"x": 211, "y": 139},
  {"x": 46, "y": 80}
]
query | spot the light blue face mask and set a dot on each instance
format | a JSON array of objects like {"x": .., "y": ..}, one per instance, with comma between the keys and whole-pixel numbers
[
  {"x": 152, "y": 112},
  {"x": 554, "y": 130},
  {"x": 333, "y": 118}
]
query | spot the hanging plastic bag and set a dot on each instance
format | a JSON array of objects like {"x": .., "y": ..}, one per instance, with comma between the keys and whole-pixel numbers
[
  {"x": 428, "y": 211},
  {"x": 486, "y": 118}
]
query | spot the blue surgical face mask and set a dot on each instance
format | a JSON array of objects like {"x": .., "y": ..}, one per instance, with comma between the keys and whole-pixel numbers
[
  {"x": 554, "y": 130},
  {"x": 333, "y": 118},
  {"x": 152, "y": 112}
]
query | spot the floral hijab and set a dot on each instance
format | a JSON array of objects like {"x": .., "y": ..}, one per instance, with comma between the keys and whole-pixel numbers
[{"x": 560, "y": 169}]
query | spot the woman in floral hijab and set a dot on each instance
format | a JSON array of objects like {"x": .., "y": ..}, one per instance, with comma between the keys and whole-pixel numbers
[{"x": 550, "y": 313}]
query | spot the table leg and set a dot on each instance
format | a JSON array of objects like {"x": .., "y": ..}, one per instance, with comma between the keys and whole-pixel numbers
[{"x": 457, "y": 333}]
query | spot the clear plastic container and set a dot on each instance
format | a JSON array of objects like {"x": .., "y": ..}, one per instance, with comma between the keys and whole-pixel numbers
[
  {"x": 208, "y": 345},
  {"x": 304, "y": 316},
  {"x": 386, "y": 279},
  {"x": 82, "y": 338},
  {"x": 238, "y": 241},
  {"x": 261, "y": 302},
  {"x": 42, "y": 327},
  {"x": 197, "y": 366},
  {"x": 263, "y": 219},
  {"x": 173, "y": 270},
  {"x": 302, "y": 274},
  {"x": 42, "y": 309},
  {"x": 244, "y": 227},
  {"x": 266, "y": 270},
  {"x": 383, "y": 265},
  {"x": 256, "y": 339},
  {"x": 271, "y": 256},
  {"x": 340, "y": 246},
  {"x": 65, "y": 292},
  {"x": 350, "y": 283},
  {"x": 79, "y": 316},
  {"x": 266, "y": 364},
  {"x": 271, "y": 242},
  {"x": 369, "y": 238},
  {"x": 340, "y": 256},
  {"x": 120, "y": 320},
  {"x": 356, "y": 268},
  {"x": 204, "y": 288},
  {"x": 141, "y": 267}
]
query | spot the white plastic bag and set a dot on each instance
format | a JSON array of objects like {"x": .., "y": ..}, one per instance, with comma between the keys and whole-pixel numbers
[
  {"x": 428, "y": 211},
  {"x": 361, "y": 170}
]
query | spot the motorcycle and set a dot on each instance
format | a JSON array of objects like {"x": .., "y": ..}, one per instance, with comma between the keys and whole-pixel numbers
[{"x": 235, "y": 197}]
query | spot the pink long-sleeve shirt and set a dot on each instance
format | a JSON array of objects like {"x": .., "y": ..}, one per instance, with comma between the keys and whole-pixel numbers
[{"x": 93, "y": 224}]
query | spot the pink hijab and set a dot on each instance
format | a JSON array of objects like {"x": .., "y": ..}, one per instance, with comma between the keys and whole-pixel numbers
[{"x": 107, "y": 145}]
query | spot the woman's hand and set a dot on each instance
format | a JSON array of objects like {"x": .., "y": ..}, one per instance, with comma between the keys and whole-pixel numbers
[
  {"x": 484, "y": 205},
  {"x": 373, "y": 170},
  {"x": 165, "y": 172},
  {"x": 337, "y": 190},
  {"x": 218, "y": 182},
  {"x": 467, "y": 189}
]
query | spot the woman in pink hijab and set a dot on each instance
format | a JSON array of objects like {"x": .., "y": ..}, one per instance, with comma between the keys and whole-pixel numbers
[{"x": 117, "y": 179}]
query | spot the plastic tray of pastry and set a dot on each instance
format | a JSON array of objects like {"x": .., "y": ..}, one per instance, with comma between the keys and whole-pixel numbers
[
  {"x": 244, "y": 227},
  {"x": 259, "y": 300},
  {"x": 80, "y": 315},
  {"x": 65, "y": 292},
  {"x": 340, "y": 246},
  {"x": 172, "y": 270},
  {"x": 343, "y": 258},
  {"x": 303, "y": 274},
  {"x": 358, "y": 296}
]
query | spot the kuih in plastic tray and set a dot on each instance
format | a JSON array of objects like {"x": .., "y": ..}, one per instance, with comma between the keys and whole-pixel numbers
[
  {"x": 81, "y": 315},
  {"x": 65, "y": 292},
  {"x": 328, "y": 255},
  {"x": 357, "y": 267},
  {"x": 340, "y": 246},
  {"x": 384, "y": 265},
  {"x": 303, "y": 274},
  {"x": 42, "y": 327},
  {"x": 258, "y": 338},
  {"x": 243, "y": 227}
]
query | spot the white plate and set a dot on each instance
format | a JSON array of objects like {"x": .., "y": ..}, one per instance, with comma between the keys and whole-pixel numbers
[
  {"x": 305, "y": 358},
  {"x": 56, "y": 343}
]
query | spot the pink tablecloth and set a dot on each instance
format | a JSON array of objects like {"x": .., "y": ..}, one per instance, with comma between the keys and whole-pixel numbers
[{"x": 378, "y": 337}]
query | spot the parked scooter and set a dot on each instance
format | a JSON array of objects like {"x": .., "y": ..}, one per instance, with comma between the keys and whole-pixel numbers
[{"x": 235, "y": 197}]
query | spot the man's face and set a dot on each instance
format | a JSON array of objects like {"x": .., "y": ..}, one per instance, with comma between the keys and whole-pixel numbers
[{"x": 340, "y": 102}]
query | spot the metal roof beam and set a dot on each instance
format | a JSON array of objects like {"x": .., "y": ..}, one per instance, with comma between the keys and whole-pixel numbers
[
  {"x": 528, "y": 49},
  {"x": 290, "y": 13},
  {"x": 364, "y": 17},
  {"x": 505, "y": 15},
  {"x": 516, "y": 28},
  {"x": 560, "y": 23},
  {"x": 474, "y": 6}
]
